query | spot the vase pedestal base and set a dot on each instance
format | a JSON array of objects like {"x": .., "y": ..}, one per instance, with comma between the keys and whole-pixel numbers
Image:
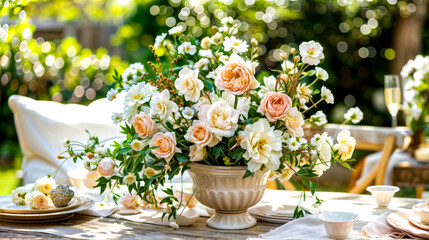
[{"x": 231, "y": 220}]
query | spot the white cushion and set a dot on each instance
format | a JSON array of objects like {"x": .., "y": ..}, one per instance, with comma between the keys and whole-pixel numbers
[{"x": 43, "y": 125}]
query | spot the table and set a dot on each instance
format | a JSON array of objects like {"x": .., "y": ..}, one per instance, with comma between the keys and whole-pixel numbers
[
  {"x": 415, "y": 176},
  {"x": 87, "y": 227}
]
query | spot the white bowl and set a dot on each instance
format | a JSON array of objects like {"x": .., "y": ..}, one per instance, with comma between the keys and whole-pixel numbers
[
  {"x": 338, "y": 225},
  {"x": 422, "y": 211},
  {"x": 80, "y": 178},
  {"x": 383, "y": 194}
]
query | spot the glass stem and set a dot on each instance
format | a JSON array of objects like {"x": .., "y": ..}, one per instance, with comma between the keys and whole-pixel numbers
[{"x": 394, "y": 123}]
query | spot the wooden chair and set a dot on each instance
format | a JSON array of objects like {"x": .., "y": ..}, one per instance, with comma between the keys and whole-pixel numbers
[{"x": 377, "y": 174}]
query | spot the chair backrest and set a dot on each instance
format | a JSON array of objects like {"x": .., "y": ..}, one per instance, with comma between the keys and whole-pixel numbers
[{"x": 377, "y": 174}]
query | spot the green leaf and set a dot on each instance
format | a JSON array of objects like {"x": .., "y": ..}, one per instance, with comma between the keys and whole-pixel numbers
[
  {"x": 181, "y": 157},
  {"x": 248, "y": 174}
]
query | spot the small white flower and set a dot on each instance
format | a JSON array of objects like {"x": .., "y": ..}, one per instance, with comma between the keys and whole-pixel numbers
[
  {"x": 317, "y": 137},
  {"x": 139, "y": 94},
  {"x": 176, "y": 30},
  {"x": 202, "y": 64},
  {"x": 223, "y": 58},
  {"x": 18, "y": 195},
  {"x": 206, "y": 53},
  {"x": 235, "y": 44},
  {"x": 117, "y": 118},
  {"x": 319, "y": 119},
  {"x": 327, "y": 95},
  {"x": 355, "y": 115},
  {"x": 111, "y": 94},
  {"x": 212, "y": 74},
  {"x": 159, "y": 39},
  {"x": 161, "y": 106},
  {"x": 188, "y": 113},
  {"x": 311, "y": 52},
  {"x": 129, "y": 179},
  {"x": 285, "y": 137},
  {"x": 101, "y": 151},
  {"x": 223, "y": 29},
  {"x": 294, "y": 144},
  {"x": 187, "y": 48},
  {"x": 321, "y": 74},
  {"x": 136, "y": 145},
  {"x": 227, "y": 20},
  {"x": 289, "y": 67}
]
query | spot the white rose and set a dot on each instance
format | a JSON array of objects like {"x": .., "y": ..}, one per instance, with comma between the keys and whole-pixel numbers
[
  {"x": 161, "y": 106},
  {"x": 189, "y": 85},
  {"x": 197, "y": 154},
  {"x": 219, "y": 118},
  {"x": 44, "y": 184},
  {"x": 263, "y": 145},
  {"x": 18, "y": 195},
  {"x": 37, "y": 200}
]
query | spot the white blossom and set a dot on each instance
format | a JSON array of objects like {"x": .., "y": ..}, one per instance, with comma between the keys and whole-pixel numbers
[
  {"x": 176, "y": 30},
  {"x": 319, "y": 118},
  {"x": 321, "y": 74},
  {"x": 235, "y": 44},
  {"x": 111, "y": 94},
  {"x": 159, "y": 39},
  {"x": 188, "y": 113},
  {"x": 187, "y": 48},
  {"x": 311, "y": 52},
  {"x": 355, "y": 115},
  {"x": 161, "y": 106},
  {"x": 327, "y": 95}
]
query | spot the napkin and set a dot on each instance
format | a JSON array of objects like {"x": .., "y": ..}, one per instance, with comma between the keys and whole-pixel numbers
[{"x": 380, "y": 228}]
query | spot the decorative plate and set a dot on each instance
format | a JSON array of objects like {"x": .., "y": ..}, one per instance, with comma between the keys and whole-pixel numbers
[
  {"x": 7, "y": 206},
  {"x": 415, "y": 219},
  {"x": 52, "y": 216},
  {"x": 399, "y": 221}
]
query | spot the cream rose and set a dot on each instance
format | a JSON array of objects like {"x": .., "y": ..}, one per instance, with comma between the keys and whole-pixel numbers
[
  {"x": 236, "y": 76},
  {"x": 166, "y": 143},
  {"x": 129, "y": 200},
  {"x": 200, "y": 135},
  {"x": 346, "y": 144},
  {"x": 220, "y": 118},
  {"x": 189, "y": 85},
  {"x": 144, "y": 125},
  {"x": 106, "y": 167},
  {"x": 37, "y": 200},
  {"x": 275, "y": 106},
  {"x": 197, "y": 153},
  {"x": 44, "y": 184},
  {"x": 294, "y": 122}
]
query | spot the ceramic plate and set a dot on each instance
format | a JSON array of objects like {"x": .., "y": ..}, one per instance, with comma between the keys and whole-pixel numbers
[
  {"x": 30, "y": 217},
  {"x": 7, "y": 206},
  {"x": 272, "y": 220},
  {"x": 399, "y": 221},
  {"x": 415, "y": 219},
  {"x": 42, "y": 220}
]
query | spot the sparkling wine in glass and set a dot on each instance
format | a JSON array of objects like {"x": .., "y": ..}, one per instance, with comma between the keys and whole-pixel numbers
[{"x": 392, "y": 95}]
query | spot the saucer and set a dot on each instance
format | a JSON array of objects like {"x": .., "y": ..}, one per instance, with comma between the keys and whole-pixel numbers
[{"x": 415, "y": 219}]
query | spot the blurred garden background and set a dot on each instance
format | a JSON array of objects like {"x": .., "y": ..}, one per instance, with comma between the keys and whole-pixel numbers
[{"x": 66, "y": 50}]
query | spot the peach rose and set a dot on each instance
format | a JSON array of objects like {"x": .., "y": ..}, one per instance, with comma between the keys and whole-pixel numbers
[
  {"x": 106, "y": 167},
  {"x": 129, "y": 200},
  {"x": 200, "y": 135},
  {"x": 167, "y": 145},
  {"x": 237, "y": 76},
  {"x": 275, "y": 106},
  {"x": 294, "y": 122},
  {"x": 144, "y": 125},
  {"x": 37, "y": 200}
]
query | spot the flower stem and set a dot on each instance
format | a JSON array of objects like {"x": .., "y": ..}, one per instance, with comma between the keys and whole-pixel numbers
[{"x": 314, "y": 105}]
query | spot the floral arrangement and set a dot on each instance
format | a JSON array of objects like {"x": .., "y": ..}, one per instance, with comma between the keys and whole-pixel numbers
[
  {"x": 206, "y": 105},
  {"x": 37, "y": 196},
  {"x": 416, "y": 95}
]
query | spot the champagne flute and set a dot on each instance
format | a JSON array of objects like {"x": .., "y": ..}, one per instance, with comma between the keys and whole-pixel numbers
[{"x": 392, "y": 95}]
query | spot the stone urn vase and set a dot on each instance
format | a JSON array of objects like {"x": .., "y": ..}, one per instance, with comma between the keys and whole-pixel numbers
[{"x": 224, "y": 189}]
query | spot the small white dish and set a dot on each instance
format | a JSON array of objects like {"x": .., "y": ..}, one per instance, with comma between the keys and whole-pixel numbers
[
  {"x": 422, "y": 212},
  {"x": 338, "y": 225},
  {"x": 383, "y": 194},
  {"x": 414, "y": 218}
]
